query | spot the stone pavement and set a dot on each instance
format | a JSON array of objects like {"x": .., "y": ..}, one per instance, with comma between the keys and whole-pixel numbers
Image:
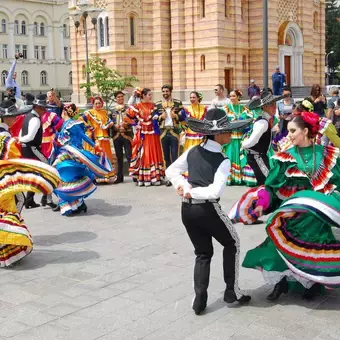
[{"x": 123, "y": 271}]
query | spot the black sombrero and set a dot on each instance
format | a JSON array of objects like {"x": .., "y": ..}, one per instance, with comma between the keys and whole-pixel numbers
[
  {"x": 265, "y": 100},
  {"x": 8, "y": 108},
  {"x": 216, "y": 122},
  {"x": 41, "y": 100}
]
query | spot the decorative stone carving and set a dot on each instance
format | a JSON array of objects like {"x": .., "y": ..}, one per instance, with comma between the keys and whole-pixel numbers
[
  {"x": 132, "y": 4},
  {"x": 101, "y": 3},
  {"x": 287, "y": 10}
]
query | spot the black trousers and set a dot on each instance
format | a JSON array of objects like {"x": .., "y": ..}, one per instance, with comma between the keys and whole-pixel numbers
[
  {"x": 33, "y": 152},
  {"x": 121, "y": 143},
  {"x": 204, "y": 222},
  {"x": 260, "y": 165},
  {"x": 170, "y": 146}
]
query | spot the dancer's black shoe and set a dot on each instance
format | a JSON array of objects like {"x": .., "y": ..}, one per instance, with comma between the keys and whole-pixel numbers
[
  {"x": 230, "y": 297},
  {"x": 312, "y": 292},
  {"x": 82, "y": 208},
  {"x": 57, "y": 208},
  {"x": 31, "y": 204},
  {"x": 200, "y": 303},
  {"x": 168, "y": 184},
  {"x": 281, "y": 287},
  {"x": 52, "y": 205}
]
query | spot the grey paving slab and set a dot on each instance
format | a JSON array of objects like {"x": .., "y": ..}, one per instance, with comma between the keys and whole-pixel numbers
[{"x": 123, "y": 271}]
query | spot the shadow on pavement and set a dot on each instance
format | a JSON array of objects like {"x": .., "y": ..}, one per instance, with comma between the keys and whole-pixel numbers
[
  {"x": 42, "y": 258},
  {"x": 69, "y": 237},
  {"x": 100, "y": 207}
]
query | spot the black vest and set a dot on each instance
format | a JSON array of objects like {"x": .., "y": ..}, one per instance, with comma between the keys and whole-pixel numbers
[
  {"x": 24, "y": 131},
  {"x": 263, "y": 144},
  {"x": 202, "y": 166}
]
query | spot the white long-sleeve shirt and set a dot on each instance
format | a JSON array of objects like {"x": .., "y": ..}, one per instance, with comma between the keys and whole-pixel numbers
[
  {"x": 259, "y": 128},
  {"x": 212, "y": 191},
  {"x": 33, "y": 127}
]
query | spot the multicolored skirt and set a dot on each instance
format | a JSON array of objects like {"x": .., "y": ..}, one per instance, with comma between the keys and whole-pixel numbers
[
  {"x": 147, "y": 165},
  {"x": 300, "y": 240},
  {"x": 78, "y": 169},
  {"x": 16, "y": 176}
]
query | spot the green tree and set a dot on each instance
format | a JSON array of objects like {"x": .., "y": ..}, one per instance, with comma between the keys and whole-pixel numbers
[
  {"x": 333, "y": 35},
  {"x": 106, "y": 81}
]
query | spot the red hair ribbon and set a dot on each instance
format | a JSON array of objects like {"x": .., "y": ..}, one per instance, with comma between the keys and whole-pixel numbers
[{"x": 313, "y": 120}]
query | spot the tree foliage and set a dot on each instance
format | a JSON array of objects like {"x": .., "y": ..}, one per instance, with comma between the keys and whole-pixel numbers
[
  {"x": 105, "y": 81},
  {"x": 333, "y": 34}
]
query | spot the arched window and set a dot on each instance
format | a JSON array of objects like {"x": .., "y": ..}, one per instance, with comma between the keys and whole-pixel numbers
[
  {"x": 315, "y": 21},
  {"x": 132, "y": 31},
  {"x": 23, "y": 27},
  {"x": 43, "y": 78},
  {"x": 202, "y": 8},
  {"x": 16, "y": 27},
  {"x": 4, "y": 75},
  {"x": 202, "y": 62},
  {"x": 83, "y": 71},
  {"x": 227, "y": 8},
  {"x": 24, "y": 78},
  {"x": 65, "y": 31},
  {"x": 36, "y": 29},
  {"x": 42, "y": 29},
  {"x": 70, "y": 78},
  {"x": 101, "y": 33},
  {"x": 228, "y": 58},
  {"x": 3, "y": 26},
  {"x": 134, "y": 68},
  {"x": 244, "y": 63},
  {"x": 107, "y": 31},
  {"x": 316, "y": 65}
]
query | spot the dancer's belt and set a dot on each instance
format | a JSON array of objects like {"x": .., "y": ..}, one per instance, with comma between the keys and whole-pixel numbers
[
  {"x": 195, "y": 201},
  {"x": 252, "y": 152}
]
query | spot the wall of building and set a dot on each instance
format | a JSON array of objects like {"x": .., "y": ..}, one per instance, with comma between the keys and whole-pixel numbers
[
  {"x": 194, "y": 49},
  {"x": 44, "y": 39}
]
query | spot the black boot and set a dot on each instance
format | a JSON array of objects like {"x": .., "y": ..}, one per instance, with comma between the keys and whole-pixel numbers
[
  {"x": 168, "y": 184},
  {"x": 200, "y": 303},
  {"x": 312, "y": 292},
  {"x": 31, "y": 204},
  {"x": 281, "y": 287},
  {"x": 82, "y": 208},
  {"x": 52, "y": 205},
  {"x": 230, "y": 297},
  {"x": 44, "y": 201},
  {"x": 57, "y": 208}
]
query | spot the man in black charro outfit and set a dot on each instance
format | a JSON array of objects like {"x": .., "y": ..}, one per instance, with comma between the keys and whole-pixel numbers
[
  {"x": 171, "y": 113},
  {"x": 121, "y": 134},
  {"x": 31, "y": 138},
  {"x": 202, "y": 216},
  {"x": 258, "y": 144}
]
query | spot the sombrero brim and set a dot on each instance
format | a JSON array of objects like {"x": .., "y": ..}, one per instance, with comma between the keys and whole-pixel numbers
[
  {"x": 24, "y": 110},
  {"x": 258, "y": 103},
  {"x": 207, "y": 127}
]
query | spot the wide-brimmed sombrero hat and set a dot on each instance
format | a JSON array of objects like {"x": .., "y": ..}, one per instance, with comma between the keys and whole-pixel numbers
[
  {"x": 216, "y": 122},
  {"x": 8, "y": 108},
  {"x": 266, "y": 99},
  {"x": 41, "y": 100}
]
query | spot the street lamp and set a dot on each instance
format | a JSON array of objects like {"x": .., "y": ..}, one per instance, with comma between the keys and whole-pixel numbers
[
  {"x": 265, "y": 44},
  {"x": 327, "y": 71},
  {"x": 83, "y": 11}
]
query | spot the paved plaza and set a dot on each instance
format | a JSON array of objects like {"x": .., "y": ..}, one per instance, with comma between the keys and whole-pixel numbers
[{"x": 124, "y": 271}]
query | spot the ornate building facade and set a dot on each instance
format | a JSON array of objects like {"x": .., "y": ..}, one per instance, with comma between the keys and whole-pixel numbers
[
  {"x": 39, "y": 29},
  {"x": 195, "y": 44}
]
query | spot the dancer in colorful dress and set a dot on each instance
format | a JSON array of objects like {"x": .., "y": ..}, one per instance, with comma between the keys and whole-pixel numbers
[
  {"x": 196, "y": 111},
  {"x": 98, "y": 119},
  {"x": 301, "y": 190},
  {"x": 17, "y": 176},
  {"x": 208, "y": 170},
  {"x": 147, "y": 164},
  {"x": 236, "y": 111},
  {"x": 76, "y": 166}
]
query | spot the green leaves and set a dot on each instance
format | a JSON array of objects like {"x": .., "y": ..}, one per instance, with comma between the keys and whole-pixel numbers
[{"x": 105, "y": 81}]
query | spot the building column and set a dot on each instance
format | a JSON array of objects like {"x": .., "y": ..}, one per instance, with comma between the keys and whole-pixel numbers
[
  {"x": 30, "y": 46},
  {"x": 11, "y": 51},
  {"x": 61, "y": 43},
  {"x": 50, "y": 52}
]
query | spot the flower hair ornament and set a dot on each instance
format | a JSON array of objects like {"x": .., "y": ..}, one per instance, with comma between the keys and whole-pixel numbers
[
  {"x": 308, "y": 105},
  {"x": 312, "y": 119},
  {"x": 71, "y": 111},
  {"x": 200, "y": 97}
]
